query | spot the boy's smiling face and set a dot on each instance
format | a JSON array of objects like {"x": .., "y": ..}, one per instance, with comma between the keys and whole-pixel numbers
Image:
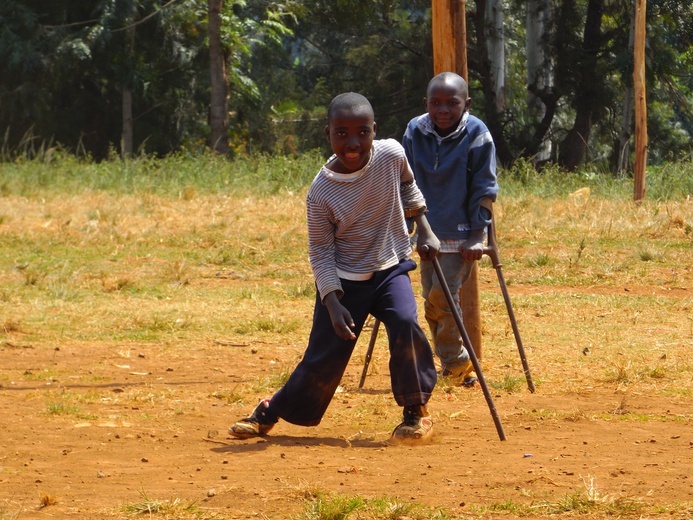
[
  {"x": 351, "y": 134},
  {"x": 445, "y": 103}
]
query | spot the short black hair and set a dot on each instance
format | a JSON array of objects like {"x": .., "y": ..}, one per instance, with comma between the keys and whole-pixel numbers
[
  {"x": 351, "y": 101},
  {"x": 449, "y": 78}
]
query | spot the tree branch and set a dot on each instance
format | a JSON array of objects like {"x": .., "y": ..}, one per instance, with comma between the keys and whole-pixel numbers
[{"x": 138, "y": 22}]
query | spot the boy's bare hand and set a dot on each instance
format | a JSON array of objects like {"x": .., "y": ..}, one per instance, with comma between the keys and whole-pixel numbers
[
  {"x": 342, "y": 322},
  {"x": 473, "y": 248},
  {"x": 427, "y": 244},
  {"x": 427, "y": 252}
]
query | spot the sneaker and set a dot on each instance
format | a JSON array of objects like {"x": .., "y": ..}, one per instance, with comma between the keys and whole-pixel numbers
[
  {"x": 257, "y": 425},
  {"x": 417, "y": 427},
  {"x": 462, "y": 375}
]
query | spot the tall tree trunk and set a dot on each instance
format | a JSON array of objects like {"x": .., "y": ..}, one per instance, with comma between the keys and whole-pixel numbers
[
  {"x": 495, "y": 44},
  {"x": 493, "y": 117},
  {"x": 218, "y": 113},
  {"x": 622, "y": 152},
  {"x": 128, "y": 125},
  {"x": 575, "y": 145},
  {"x": 127, "y": 137},
  {"x": 539, "y": 76}
]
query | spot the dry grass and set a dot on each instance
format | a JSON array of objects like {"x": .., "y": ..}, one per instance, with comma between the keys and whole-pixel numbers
[{"x": 599, "y": 273}]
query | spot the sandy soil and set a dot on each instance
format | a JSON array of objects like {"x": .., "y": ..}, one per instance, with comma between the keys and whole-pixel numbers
[{"x": 137, "y": 422}]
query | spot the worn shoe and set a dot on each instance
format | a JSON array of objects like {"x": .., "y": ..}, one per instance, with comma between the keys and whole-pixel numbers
[
  {"x": 258, "y": 424},
  {"x": 462, "y": 375},
  {"x": 417, "y": 427}
]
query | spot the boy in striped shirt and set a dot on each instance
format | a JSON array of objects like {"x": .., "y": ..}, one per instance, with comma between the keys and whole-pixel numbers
[{"x": 360, "y": 256}]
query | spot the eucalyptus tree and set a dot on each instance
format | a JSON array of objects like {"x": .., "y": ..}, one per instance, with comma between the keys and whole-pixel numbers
[
  {"x": 589, "y": 72},
  {"x": 539, "y": 76},
  {"x": 484, "y": 69},
  {"x": 495, "y": 43}
]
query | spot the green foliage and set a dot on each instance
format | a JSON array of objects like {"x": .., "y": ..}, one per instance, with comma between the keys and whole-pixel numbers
[
  {"x": 68, "y": 63},
  {"x": 671, "y": 181},
  {"x": 183, "y": 175},
  {"x": 509, "y": 384}
]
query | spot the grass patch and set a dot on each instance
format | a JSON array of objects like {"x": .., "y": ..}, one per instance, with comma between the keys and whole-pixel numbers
[
  {"x": 588, "y": 502},
  {"x": 262, "y": 324},
  {"x": 62, "y": 408},
  {"x": 229, "y": 395},
  {"x": 174, "y": 508},
  {"x": 274, "y": 381},
  {"x": 320, "y": 505},
  {"x": 509, "y": 384}
]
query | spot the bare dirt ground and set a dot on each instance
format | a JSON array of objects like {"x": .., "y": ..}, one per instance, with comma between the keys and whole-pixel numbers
[{"x": 152, "y": 424}]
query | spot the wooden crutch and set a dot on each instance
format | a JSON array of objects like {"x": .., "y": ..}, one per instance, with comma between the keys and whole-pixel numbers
[{"x": 492, "y": 252}]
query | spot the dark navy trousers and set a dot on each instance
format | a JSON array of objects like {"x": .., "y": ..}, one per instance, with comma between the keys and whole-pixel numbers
[{"x": 389, "y": 297}]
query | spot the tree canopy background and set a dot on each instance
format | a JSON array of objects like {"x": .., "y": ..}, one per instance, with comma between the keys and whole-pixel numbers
[{"x": 72, "y": 71}]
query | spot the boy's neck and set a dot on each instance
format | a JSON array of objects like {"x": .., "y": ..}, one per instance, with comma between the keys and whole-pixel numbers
[{"x": 450, "y": 129}]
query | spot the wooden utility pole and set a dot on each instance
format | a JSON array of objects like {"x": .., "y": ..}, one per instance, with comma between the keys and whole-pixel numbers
[
  {"x": 640, "y": 101},
  {"x": 449, "y": 29}
]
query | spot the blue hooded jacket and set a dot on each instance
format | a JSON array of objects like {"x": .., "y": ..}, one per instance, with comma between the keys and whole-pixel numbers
[{"x": 454, "y": 173}]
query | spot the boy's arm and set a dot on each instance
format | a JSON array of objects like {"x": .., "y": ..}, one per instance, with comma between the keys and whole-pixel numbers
[
  {"x": 482, "y": 182},
  {"x": 321, "y": 252},
  {"x": 483, "y": 189},
  {"x": 473, "y": 248},
  {"x": 427, "y": 243}
]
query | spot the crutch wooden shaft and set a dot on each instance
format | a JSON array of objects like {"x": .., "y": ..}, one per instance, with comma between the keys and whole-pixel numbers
[
  {"x": 369, "y": 352},
  {"x": 492, "y": 252},
  {"x": 470, "y": 350}
]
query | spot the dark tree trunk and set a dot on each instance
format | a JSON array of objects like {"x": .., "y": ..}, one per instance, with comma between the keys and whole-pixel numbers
[
  {"x": 588, "y": 88},
  {"x": 621, "y": 153},
  {"x": 127, "y": 145},
  {"x": 218, "y": 113}
]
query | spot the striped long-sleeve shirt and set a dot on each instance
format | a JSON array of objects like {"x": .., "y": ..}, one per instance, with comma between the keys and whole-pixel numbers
[{"x": 356, "y": 221}]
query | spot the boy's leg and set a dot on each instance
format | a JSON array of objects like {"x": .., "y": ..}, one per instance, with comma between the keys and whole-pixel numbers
[
  {"x": 305, "y": 396},
  {"x": 412, "y": 371},
  {"x": 446, "y": 335}
]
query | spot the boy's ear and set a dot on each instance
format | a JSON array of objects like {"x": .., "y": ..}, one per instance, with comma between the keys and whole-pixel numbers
[
  {"x": 468, "y": 103},
  {"x": 327, "y": 132},
  {"x": 375, "y": 127},
  {"x": 425, "y": 100}
]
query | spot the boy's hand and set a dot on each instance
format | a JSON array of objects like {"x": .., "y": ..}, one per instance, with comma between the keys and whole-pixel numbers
[
  {"x": 428, "y": 249},
  {"x": 342, "y": 322},
  {"x": 473, "y": 248},
  {"x": 427, "y": 244}
]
